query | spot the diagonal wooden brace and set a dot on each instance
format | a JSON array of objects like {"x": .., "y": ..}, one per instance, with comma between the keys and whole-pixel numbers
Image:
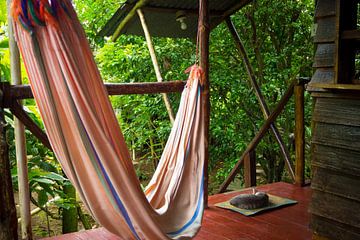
[{"x": 260, "y": 97}]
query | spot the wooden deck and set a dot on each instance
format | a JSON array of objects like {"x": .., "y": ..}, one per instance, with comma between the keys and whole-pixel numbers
[{"x": 291, "y": 222}]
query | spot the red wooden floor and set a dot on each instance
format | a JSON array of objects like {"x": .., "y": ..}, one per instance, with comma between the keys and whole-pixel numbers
[{"x": 290, "y": 222}]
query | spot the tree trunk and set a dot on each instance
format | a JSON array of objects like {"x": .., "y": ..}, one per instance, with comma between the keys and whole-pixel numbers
[{"x": 8, "y": 219}]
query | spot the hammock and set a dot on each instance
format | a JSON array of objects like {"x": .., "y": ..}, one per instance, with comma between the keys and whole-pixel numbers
[{"x": 85, "y": 136}]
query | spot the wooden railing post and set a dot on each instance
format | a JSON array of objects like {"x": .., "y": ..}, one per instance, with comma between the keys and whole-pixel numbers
[
  {"x": 250, "y": 169},
  {"x": 299, "y": 134},
  {"x": 8, "y": 219},
  {"x": 204, "y": 34}
]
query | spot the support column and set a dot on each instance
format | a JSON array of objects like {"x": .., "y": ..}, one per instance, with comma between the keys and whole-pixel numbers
[
  {"x": 8, "y": 219},
  {"x": 203, "y": 35},
  {"x": 299, "y": 135},
  {"x": 20, "y": 141},
  {"x": 250, "y": 169}
]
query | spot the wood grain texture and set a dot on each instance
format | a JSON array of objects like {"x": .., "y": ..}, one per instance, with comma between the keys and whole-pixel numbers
[
  {"x": 323, "y": 75},
  {"x": 291, "y": 222},
  {"x": 336, "y": 183},
  {"x": 337, "y": 111},
  {"x": 335, "y": 208},
  {"x": 325, "y": 8},
  {"x": 326, "y": 30},
  {"x": 325, "y": 55},
  {"x": 346, "y": 137},
  {"x": 326, "y": 229},
  {"x": 336, "y": 159}
]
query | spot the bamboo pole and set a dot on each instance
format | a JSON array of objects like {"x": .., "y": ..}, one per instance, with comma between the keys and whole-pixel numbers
[
  {"x": 20, "y": 141},
  {"x": 204, "y": 36},
  {"x": 155, "y": 64},
  {"x": 260, "y": 97},
  {"x": 128, "y": 17}
]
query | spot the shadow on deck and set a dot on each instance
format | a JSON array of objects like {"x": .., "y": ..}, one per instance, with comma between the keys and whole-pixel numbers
[{"x": 291, "y": 222}]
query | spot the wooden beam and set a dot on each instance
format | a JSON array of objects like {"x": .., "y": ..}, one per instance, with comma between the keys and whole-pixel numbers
[
  {"x": 260, "y": 97},
  {"x": 250, "y": 169},
  {"x": 299, "y": 135},
  {"x": 19, "y": 112},
  {"x": 24, "y": 91},
  {"x": 20, "y": 139},
  {"x": 8, "y": 219},
  {"x": 203, "y": 45},
  {"x": 351, "y": 35},
  {"x": 156, "y": 65},
  {"x": 339, "y": 87},
  {"x": 255, "y": 141}
]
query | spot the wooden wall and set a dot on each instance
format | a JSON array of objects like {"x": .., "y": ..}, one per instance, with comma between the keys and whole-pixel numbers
[
  {"x": 325, "y": 39},
  {"x": 335, "y": 205}
]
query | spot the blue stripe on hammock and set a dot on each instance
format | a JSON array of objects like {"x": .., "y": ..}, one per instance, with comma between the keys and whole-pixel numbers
[
  {"x": 197, "y": 211},
  {"x": 114, "y": 193}
]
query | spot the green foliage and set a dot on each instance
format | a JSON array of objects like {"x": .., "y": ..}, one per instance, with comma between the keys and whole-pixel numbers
[{"x": 276, "y": 35}]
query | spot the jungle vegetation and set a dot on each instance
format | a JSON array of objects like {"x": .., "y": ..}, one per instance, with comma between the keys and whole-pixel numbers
[{"x": 277, "y": 37}]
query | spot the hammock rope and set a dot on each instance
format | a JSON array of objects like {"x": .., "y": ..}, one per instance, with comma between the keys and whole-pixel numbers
[{"x": 87, "y": 140}]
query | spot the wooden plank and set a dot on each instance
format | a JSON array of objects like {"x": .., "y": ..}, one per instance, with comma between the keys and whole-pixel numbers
[
  {"x": 220, "y": 224},
  {"x": 337, "y": 111},
  {"x": 338, "y": 87},
  {"x": 347, "y": 137},
  {"x": 325, "y": 55},
  {"x": 325, "y": 8},
  {"x": 336, "y": 183},
  {"x": 323, "y": 75},
  {"x": 335, "y": 208},
  {"x": 337, "y": 94},
  {"x": 336, "y": 159},
  {"x": 326, "y": 30},
  {"x": 332, "y": 229},
  {"x": 351, "y": 35}
]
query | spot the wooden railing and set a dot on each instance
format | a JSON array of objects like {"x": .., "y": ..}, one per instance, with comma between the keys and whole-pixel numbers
[{"x": 248, "y": 158}]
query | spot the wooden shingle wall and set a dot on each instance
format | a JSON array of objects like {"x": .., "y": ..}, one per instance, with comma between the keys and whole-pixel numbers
[
  {"x": 325, "y": 39},
  {"x": 335, "y": 205}
]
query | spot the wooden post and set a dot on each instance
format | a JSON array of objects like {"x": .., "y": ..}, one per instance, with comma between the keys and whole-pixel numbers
[
  {"x": 203, "y": 36},
  {"x": 299, "y": 135},
  {"x": 250, "y": 169},
  {"x": 8, "y": 219},
  {"x": 260, "y": 97},
  {"x": 155, "y": 64},
  {"x": 20, "y": 141}
]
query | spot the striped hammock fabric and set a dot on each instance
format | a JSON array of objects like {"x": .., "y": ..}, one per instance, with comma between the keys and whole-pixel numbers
[{"x": 85, "y": 136}]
